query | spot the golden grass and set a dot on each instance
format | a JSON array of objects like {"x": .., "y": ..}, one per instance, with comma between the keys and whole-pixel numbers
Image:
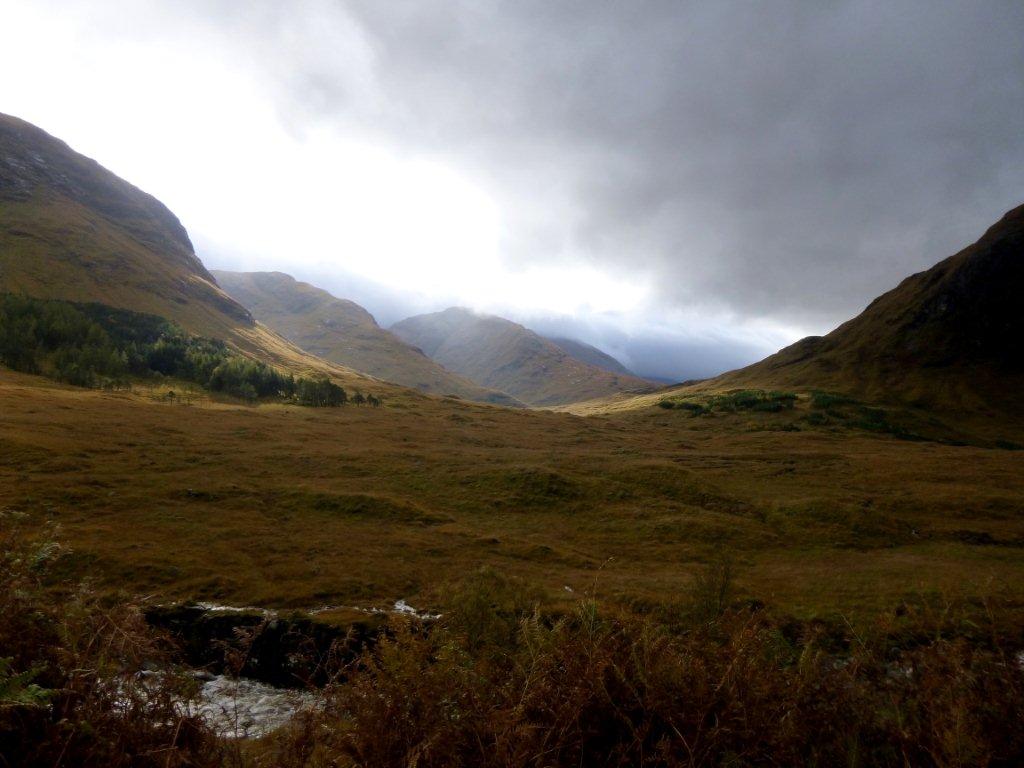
[{"x": 291, "y": 507}]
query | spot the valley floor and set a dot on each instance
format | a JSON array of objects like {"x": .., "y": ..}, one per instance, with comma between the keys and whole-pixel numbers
[{"x": 282, "y": 506}]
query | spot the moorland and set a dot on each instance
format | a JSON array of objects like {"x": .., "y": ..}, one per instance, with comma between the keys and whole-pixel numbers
[{"x": 816, "y": 560}]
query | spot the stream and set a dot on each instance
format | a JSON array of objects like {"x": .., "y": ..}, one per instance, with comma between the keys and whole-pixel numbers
[
  {"x": 281, "y": 669},
  {"x": 241, "y": 708}
]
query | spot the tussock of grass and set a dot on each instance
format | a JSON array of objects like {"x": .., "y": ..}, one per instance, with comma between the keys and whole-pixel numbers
[{"x": 367, "y": 506}]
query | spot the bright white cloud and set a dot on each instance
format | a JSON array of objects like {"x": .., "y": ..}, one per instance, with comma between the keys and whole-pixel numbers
[{"x": 164, "y": 102}]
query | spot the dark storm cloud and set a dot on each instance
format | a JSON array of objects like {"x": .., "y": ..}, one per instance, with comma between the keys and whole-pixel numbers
[{"x": 785, "y": 161}]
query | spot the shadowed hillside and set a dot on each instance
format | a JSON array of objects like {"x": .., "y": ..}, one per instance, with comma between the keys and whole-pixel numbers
[
  {"x": 343, "y": 332},
  {"x": 950, "y": 339},
  {"x": 498, "y": 353},
  {"x": 950, "y": 336},
  {"x": 72, "y": 230},
  {"x": 591, "y": 355}
]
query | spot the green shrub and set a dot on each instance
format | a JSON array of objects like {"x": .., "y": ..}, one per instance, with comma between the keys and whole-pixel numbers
[
  {"x": 753, "y": 400},
  {"x": 694, "y": 409},
  {"x": 17, "y": 689},
  {"x": 320, "y": 392},
  {"x": 827, "y": 400},
  {"x": 816, "y": 419}
]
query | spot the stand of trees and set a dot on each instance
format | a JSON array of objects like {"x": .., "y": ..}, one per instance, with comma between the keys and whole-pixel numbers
[
  {"x": 93, "y": 345},
  {"x": 320, "y": 393}
]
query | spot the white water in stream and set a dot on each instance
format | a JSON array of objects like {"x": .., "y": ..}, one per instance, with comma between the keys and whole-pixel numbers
[{"x": 240, "y": 708}]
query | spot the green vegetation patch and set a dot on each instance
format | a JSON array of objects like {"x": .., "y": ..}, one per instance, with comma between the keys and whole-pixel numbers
[
  {"x": 93, "y": 345},
  {"x": 842, "y": 525},
  {"x": 695, "y": 409},
  {"x": 753, "y": 400},
  {"x": 828, "y": 400},
  {"x": 733, "y": 402}
]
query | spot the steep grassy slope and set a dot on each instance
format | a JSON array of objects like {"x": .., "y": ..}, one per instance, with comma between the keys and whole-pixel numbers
[
  {"x": 591, "y": 355},
  {"x": 498, "y": 353},
  {"x": 952, "y": 336},
  {"x": 70, "y": 229},
  {"x": 343, "y": 332}
]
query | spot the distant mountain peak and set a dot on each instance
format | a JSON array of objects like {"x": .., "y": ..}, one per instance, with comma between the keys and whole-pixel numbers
[
  {"x": 499, "y": 353},
  {"x": 590, "y": 354},
  {"x": 341, "y": 331}
]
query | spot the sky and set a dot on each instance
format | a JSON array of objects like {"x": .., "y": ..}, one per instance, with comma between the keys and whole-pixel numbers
[{"x": 687, "y": 185}]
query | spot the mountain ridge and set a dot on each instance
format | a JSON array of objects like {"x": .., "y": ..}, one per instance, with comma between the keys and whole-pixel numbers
[
  {"x": 588, "y": 353},
  {"x": 498, "y": 353},
  {"x": 72, "y": 230},
  {"x": 341, "y": 331}
]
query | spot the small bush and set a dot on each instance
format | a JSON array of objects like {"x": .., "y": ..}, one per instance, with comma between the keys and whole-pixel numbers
[
  {"x": 694, "y": 409},
  {"x": 753, "y": 400},
  {"x": 827, "y": 400},
  {"x": 816, "y": 419}
]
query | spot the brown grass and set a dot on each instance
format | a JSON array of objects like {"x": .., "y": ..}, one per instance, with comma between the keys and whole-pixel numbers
[
  {"x": 291, "y": 507},
  {"x": 600, "y": 688},
  {"x": 500, "y": 681}
]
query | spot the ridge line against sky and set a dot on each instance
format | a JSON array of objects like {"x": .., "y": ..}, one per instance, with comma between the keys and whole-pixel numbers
[{"x": 686, "y": 186}]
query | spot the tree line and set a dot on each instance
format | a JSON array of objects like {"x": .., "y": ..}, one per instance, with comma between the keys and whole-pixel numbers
[{"x": 93, "y": 345}]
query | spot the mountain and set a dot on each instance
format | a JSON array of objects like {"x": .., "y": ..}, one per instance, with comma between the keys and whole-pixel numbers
[
  {"x": 591, "y": 355},
  {"x": 498, "y": 353},
  {"x": 343, "y": 332},
  {"x": 72, "y": 230},
  {"x": 951, "y": 336}
]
